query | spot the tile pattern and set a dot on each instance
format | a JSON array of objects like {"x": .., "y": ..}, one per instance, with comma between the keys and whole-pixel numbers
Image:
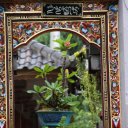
[{"x": 37, "y": 54}]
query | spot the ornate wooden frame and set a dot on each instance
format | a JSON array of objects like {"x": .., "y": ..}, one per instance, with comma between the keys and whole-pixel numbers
[{"x": 108, "y": 85}]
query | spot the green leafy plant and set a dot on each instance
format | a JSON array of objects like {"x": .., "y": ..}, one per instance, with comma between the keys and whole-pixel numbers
[
  {"x": 64, "y": 47},
  {"x": 44, "y": 72},
  {"x": 52, "y": 94},
  {"x": 87, "y": 112},
  {"x": 68, "y": 76}
]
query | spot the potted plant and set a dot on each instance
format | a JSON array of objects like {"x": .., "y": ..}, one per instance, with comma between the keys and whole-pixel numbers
[{"x": 53, "y": 97}]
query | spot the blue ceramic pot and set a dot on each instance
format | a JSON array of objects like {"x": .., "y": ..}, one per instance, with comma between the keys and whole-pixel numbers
[{"x": 53, "y": 118}]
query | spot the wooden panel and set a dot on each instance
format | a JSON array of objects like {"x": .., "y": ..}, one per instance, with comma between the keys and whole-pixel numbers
[{"x": 25, "y": 115}]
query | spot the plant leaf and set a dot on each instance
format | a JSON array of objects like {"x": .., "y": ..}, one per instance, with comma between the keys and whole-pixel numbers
[
  {"x": 73, "y": 45},
  {"x": 59, "y": 41},
  {"x": 37, "y": 88},
  {"x": 48, "y": 84},
  {"x": 51, "y": 68},
  {"x": 66, "y": 89},
  {"x": 31, "y": 91},
  {"x": 72, "y": 74},
  {"x": 37, "y": 76},
  {"x": 68, "y": 38},
  {"x": 46, "y": 67},
  {"x": 74, "y": 103},
  {"x": 48, "y": 97},
  {"x": 38, "y": 69},
  {"x": 42, "y": 89},
  {"x": 71, "y": 81},
  {"x": 57, "y": 48},
  {"x": 64, "y": 53}
]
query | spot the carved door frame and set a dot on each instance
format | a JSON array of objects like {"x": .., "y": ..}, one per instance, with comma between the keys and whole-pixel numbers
[{"x": 110, "y": 86}]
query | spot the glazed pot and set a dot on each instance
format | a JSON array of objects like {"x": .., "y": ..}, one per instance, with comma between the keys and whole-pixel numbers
[{"x": 54, "y": 119}]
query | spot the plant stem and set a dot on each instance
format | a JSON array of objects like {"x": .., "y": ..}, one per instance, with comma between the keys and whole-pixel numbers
[
  {"x": 45, "y": 77},
  {"x": 64, "y": 81}
]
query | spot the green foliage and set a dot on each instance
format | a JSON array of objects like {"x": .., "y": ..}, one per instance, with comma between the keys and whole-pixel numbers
[
  {"x": 87, "y": 112},
  {"x": 68, "y": 76},
  {"x": 71, "y": 100},
  {"x": 44, "y": 72},
  {"x": 75, "y": 38},
  {"x": 62, "y": 121},
  {"x": 65, "y": 45},
  {"x": 84, "y": 120},
  {"x": 90, "y": 92},
  {"x": 44, "y": 38},
  {"x": 80, "y": 55},
  {"x": 52, "y": 94}
]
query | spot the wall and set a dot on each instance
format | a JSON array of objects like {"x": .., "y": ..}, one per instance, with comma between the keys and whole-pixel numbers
[{"x": 123, "y": 39}]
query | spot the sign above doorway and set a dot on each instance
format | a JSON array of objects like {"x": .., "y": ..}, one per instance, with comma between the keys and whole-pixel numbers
[{"x": 62, "y": 10}]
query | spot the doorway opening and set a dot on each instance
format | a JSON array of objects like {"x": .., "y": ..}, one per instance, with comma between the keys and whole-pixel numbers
[{"x": 24, "y": 76}]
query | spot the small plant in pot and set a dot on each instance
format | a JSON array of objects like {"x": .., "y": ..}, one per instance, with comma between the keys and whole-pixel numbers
[{"x": 53, "y": 97}]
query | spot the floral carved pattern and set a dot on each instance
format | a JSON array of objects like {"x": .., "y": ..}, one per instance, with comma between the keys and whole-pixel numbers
[
  {"x": 2, "y": 72},
  {"x": 114, "y": 65},
  {"x": 24, "y": 30},
  {"x": 24, "y": 7}
]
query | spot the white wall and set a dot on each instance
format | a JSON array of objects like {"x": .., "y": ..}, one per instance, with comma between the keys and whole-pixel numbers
[
  {"x": 123, "y": 40},
  {"x": 53, "y": 36}
]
